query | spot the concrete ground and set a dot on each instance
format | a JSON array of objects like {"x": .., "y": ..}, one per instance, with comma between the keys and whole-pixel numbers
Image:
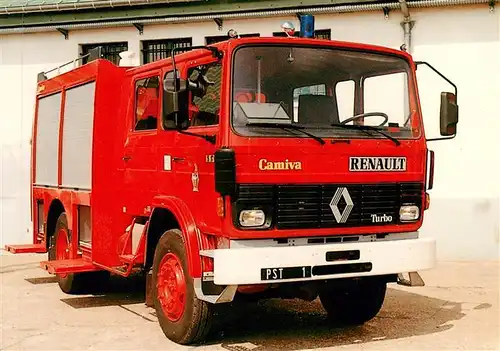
[{"x": 457, "y": 309}]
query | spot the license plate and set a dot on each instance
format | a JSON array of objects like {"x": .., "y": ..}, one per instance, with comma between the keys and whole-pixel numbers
[{"x": 285, "y": 273}]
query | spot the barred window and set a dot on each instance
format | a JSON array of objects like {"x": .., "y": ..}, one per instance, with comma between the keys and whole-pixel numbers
[
  {"x": 153, "y": 50},
  {"x": 110, "y": 51},
  {"x": 218, "y": 38},
  {"x": 318, "y": 34}
]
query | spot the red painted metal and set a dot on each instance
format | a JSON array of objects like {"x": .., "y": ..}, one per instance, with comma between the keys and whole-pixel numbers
[
  {"x": 61, "y": 131},
  {"x": 129, "y": 179},
  {"x": 29, "y": 248},
  {"x": 171, "y": 287},
  {"x": 67, "y": 266},
  {"x": 188, "y": 227},
  {"x": 63, "y": 246},
  {"x": 32, "y": 175},
  {"x": 127, "y": 258}
]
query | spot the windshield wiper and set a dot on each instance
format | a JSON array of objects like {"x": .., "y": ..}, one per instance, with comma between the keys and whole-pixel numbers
[
  {"x": 286, "y": 127},
  {"x": 366, "y": 129}
]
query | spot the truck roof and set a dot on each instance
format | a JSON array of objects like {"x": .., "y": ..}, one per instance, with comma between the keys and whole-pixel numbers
[
  {"x": 76, "y": 76},
  {"x": 88, "y": 71}
]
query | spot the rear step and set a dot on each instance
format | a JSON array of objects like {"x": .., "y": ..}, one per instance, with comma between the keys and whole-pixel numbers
[
  {"x": 78, "y": 265},
  {"x": 28, "y": 248}
]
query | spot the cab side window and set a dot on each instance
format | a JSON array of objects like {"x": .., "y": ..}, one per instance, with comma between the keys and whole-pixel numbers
[
  {"x": 204, "y": 108},
  {"x": 147, "y": 103}
]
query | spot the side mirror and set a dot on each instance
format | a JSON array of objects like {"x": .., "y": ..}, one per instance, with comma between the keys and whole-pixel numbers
[
  {"x": 225, "y": 172},
  {"x": 175, "y": 104},
  {"x": 448, "y": 114}
]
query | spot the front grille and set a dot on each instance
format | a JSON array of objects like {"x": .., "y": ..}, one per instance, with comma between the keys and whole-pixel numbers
[{"x": 308, "y": 206}]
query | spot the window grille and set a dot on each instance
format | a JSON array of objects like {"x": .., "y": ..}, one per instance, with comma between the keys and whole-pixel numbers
[
  {"x": 153, "y": 50},
  {"x": 110, "y": 51},
  {"x": 218, "y": 38},
  {"x": 318, "y": 34}
]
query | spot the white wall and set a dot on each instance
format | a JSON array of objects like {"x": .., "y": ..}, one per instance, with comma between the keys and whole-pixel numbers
[{"x": 463, "y": 42}]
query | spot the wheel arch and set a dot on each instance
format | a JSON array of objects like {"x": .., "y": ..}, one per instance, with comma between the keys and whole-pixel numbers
[{"x": 173, "y": 213}]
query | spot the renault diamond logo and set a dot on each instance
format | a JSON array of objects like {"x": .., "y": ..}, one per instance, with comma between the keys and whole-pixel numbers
[{"x": 341, "y": 217}]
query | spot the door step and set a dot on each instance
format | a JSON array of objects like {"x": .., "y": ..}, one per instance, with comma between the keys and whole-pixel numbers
[
  {"x": 28, "y": 248},
  {"x": 78, "y": 265}
]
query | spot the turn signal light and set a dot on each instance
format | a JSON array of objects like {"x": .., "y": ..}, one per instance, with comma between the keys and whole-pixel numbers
[{"x": 427, "y": 201}]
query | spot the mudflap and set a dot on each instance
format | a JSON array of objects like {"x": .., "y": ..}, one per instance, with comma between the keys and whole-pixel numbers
[
  {"x": 149, "y": 289},
  {"x": 414, "y": 279}
]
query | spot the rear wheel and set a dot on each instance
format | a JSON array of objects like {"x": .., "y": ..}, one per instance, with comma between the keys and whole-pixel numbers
[
  {"x": 183, "y": 318},
  {"x": 355, "y": 303},
  {"x": 60, "y": 249}
]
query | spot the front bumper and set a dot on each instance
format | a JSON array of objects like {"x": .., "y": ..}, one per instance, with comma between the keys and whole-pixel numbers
[{"x": 249, "y": 265}]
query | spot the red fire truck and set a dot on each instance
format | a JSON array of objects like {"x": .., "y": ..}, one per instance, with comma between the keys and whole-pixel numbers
[{"x": 279, "y": 167}]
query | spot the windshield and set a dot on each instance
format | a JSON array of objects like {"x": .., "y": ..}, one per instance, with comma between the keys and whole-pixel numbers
[{"x": 328, "y": 92}]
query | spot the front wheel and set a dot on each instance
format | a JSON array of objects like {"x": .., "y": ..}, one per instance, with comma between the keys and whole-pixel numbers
[
  {"x": 183, "y": 318},
  {"x": 353, "y": 304}
]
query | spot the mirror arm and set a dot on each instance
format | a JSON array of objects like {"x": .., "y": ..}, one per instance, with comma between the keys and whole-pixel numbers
[{"x": 442, "y": 76}]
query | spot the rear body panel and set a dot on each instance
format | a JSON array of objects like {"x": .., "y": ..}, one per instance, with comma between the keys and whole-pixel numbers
[{"x": 84, "y": 156}]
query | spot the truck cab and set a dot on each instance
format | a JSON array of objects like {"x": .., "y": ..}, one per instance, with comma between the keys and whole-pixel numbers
[{"x": 304, "y": 163}]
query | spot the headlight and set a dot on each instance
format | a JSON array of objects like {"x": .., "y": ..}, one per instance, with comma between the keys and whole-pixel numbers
[
  {"x": 409, "y": 213},
  {"x": 252, "y": 218}
]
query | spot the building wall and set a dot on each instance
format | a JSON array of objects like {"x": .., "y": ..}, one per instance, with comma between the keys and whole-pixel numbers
[{"x": 463, "y": 42}]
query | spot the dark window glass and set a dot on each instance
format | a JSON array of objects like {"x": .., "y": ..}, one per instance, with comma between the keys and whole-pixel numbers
[
  {"x": 147, "y": 103},
  {"x": 305, "y": 86},
  {"x": 204, "y": 109},
  {"x": 153, "y": 50},
  {"x": 110, "y": 51}
]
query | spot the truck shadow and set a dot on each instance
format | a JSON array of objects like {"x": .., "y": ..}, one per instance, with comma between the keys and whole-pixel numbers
[
  {"x": 296, "y": 324},
  {"x": 117, "y": 292}
]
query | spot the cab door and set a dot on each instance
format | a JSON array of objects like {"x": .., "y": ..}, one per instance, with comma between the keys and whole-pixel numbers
[
  {"x": 140, "y": 158},
  {"x": 194, "y": 155}
]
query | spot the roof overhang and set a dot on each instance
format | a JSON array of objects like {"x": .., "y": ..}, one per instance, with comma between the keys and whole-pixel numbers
[{"x": 197, "y": 11}]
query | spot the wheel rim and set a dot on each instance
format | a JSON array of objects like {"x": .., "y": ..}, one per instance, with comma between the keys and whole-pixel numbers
[
  {"x": 62, "y": 247},
  {"x": 171, "y": 287}
]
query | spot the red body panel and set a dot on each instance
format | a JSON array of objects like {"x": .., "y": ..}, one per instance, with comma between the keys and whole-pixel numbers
[
  {"x": 129, "y": 179},
  {"x": 29, "y": 248},
  {"x": 69, "y": 266}
]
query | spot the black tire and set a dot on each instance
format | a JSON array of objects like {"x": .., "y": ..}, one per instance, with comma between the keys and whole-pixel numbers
[
  {"x": 196, "y": 320},
  {"x": 75, "y": 283},
  {"x": 353, "y": 304}
]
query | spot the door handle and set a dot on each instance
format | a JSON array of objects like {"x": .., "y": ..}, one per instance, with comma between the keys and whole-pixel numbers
[
  {"x": 178, "y": 159},
  {"x": 126, "y": 158}
]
